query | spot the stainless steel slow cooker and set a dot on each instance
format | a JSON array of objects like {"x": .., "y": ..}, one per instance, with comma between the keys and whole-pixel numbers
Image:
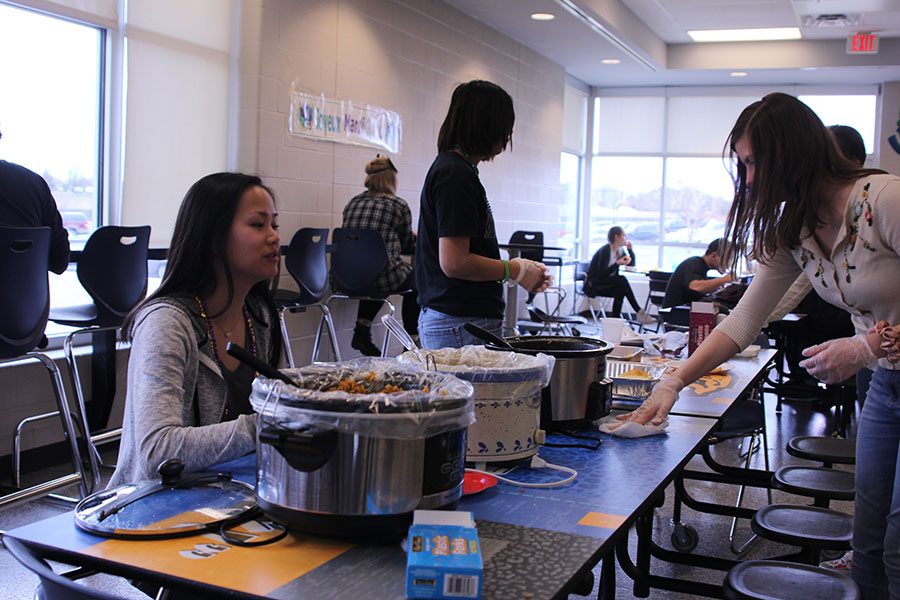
[
  {"x": 579, "y": 390},
  {"x": 357, "y": 446}
]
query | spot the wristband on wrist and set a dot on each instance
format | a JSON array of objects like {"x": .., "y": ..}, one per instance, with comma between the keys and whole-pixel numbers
[
  {"x": 506, "y": 269},
  {"x": 523, "y": 266}
]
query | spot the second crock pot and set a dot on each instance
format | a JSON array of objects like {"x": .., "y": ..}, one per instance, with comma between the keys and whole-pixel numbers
[
  {"x": 359, "y": 445},
  {"x": 578, "y": 390}
]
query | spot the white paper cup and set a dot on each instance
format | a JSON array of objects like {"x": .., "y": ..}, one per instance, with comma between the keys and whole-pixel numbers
[{"x": 612, "y": 330}]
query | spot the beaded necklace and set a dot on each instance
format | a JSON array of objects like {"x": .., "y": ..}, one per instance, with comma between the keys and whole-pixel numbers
[{"x": 212, "y": 337}]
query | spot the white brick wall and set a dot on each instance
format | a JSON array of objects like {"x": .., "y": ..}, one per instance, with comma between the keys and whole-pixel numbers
[{"x": 406, "y": 56}]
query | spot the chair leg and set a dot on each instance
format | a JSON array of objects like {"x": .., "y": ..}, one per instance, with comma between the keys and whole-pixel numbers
[
  {"x": 62, "y": 405},
  {"x": 740, "y": 499},
  {"x": 93, "y": 454},
  {"x": 329, "y": 322},
  {"x": 285, "y": 339},
  {"x": 391, "y": 311},
  {"x": 17, "y": 444}
]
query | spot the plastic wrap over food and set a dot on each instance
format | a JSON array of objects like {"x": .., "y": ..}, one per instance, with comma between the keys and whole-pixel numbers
[
  {"x": 481, "y": 365},
  {"x": 371, "y": 397}
]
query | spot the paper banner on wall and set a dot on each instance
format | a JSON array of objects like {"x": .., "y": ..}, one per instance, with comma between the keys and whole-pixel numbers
[{"x": 337, "y": 120}]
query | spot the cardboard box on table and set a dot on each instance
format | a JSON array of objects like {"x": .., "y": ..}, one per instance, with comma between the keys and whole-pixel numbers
[
  {"x": 701, "y": 321},
  {"x": 443, "y": 556}
]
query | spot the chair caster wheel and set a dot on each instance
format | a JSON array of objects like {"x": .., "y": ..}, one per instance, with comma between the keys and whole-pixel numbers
[
  {"x": 685, "y": 538},
  {"x": 586, "y": 586}
]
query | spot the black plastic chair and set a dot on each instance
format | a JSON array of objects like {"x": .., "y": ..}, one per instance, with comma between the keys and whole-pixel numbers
[
  {"x": 658, "y": 280},
  {"x": 581, "y": 269},
  {"x": 53, "y": 586},
  {"x": 113, "y": 270},
  {"x": 358, "y": 256},
  {"x": 306, "y": 261},
  {"x": 23, "y": 316},
  {"x": 770, "y": 579}
]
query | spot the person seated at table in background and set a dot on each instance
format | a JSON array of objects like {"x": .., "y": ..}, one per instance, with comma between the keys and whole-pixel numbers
[
  {"x": 186, "y": 397},
  {"x": 799, "y": 202},
  {"x": 689, "y": 282},
  {"x": 380, "y": 209},
  {"x": 603, "y": 279},
  {"x": 459, "y": 273},
  {"x": 26, "y": 201}
]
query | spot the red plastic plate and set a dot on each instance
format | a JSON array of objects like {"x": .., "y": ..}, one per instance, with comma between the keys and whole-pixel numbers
[{"x": 474, "y": 483}]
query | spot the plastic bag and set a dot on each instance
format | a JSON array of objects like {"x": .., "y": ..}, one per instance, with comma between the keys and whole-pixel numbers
[{"x": 372, "y": 397}]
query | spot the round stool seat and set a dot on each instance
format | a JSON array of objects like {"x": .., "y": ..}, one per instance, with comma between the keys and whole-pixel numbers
[
  {"x": 772, "y": 580},
  {"x": 823, "y": 449},
  {"x": 804, "y": 526},
  {"x": 815, "y": 482}
]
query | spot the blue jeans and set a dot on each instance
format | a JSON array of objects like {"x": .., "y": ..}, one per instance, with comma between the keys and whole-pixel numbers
[
  {"x": 876, "y": 518},
  {"x": 440, "y": 330}
]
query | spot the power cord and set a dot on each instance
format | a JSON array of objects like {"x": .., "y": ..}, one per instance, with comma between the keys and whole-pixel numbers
[{"x": 536, "y": 463}]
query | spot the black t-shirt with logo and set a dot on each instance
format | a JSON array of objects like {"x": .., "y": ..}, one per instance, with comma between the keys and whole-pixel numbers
[
  {"x": 678, "y": 290},
  {"x": 454, "y": 204}
]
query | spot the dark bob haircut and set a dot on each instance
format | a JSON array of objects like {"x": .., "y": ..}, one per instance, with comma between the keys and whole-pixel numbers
[
  {"x": 479, "y": 122},
  {"x": 850, "y": 143},
  {"x": 613, "y": 232}
]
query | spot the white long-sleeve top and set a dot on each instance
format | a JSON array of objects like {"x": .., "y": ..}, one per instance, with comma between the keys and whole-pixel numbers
[{"x": 861, "y": 274}]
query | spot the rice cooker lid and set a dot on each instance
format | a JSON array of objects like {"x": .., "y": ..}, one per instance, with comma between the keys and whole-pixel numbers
[
  {"x": 560, "y": 346},
  {"x": 373, "y": 387}
]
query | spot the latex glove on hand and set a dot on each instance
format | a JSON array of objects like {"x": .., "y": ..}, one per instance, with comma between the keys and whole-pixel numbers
[
  {"x": 890, "y": 339},
  {"x": 836, "y": 360},
  {"x": 655, "y": 409},
  {"x": 533, "y": 276}
]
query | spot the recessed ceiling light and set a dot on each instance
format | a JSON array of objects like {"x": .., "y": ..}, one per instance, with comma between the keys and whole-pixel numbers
[
  {"x": 543, "y": 16},
  {"x": 809, "y": 68},
  {"x": 610, "y": 61},
  {"x": 738, "y": 73},
  {"x": 745, "y": 35}
]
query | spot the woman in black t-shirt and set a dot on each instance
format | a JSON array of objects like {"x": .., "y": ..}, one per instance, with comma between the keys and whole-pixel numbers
[{"x": 459, "y": 272}]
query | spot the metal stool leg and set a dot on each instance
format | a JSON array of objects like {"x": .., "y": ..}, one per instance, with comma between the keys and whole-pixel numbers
[
  {"x": 78, "y": 476},
  {"x": 329, "y": 322},
  {"x": 69, "y": 350},
  {"x": 391, "y": 311},
  {"x": 286, "y": 340}
]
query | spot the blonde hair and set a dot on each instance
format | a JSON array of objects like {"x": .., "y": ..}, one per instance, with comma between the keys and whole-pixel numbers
[{"x": 381, "y": 175}]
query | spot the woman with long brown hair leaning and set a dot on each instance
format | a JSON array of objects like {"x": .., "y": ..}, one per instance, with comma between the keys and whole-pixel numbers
[{"x": 801, "y": 206}]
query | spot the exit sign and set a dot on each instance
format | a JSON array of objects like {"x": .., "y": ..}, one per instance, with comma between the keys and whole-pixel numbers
[{"x": 862, "y": 43}]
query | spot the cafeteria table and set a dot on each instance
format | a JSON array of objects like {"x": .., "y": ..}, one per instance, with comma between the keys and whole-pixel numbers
[
  {"x": 539, "y": 542},
  {"x": 510, "y": 316}
]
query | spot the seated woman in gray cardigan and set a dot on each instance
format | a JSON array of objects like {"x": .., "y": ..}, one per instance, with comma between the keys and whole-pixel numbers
[{"x": 186, "y": 397}]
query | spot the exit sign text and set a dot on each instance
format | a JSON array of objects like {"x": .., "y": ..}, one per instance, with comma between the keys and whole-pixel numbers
[{"x": 862, "y": 43}]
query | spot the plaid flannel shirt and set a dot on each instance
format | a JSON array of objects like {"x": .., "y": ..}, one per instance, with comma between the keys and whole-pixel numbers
[{"x": 390, "y": 216}]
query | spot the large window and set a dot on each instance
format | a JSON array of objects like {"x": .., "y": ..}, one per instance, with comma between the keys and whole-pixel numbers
[
  {"x": 658, "y": 170},
  {"x": 51, "y": 109},
  {"x": 570, "y": 182}
]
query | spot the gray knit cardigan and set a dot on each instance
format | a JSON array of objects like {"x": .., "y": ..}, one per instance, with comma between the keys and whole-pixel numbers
[{"x": 171, "y": 364}]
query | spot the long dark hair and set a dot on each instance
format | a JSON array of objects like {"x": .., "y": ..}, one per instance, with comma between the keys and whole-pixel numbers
[
  {"x": 480, "y": 118},
  {"x": 797, "y": 164},
  {"x": 199, "y": 242}
]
